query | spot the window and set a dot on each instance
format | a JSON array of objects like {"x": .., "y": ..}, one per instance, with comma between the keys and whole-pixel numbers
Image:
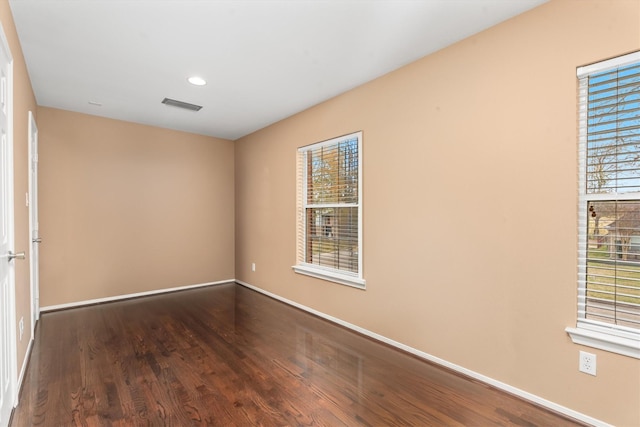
[
  {"x": 609, "y": 206},
  {"x": 330, "y": 210}
]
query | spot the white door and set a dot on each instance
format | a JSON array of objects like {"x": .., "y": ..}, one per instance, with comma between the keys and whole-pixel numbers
[
  {"x": 33, "y": 222},
  {"x": 7, "y": 281}
]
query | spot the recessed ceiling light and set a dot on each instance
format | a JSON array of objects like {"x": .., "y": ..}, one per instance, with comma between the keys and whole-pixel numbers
[
  {"x": 97, "y": 104},
  {"x": 197, "y": 81}
]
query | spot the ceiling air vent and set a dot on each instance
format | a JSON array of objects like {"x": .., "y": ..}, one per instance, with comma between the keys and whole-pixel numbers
[{"x": 180, "y": 104}]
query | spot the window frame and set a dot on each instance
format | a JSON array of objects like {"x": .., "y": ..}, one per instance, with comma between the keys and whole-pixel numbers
[
  {"x": 605, "y": 336},
  {"x": 354, "y": 279}
]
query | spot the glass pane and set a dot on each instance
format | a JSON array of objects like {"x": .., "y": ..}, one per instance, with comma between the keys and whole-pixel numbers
[
  {"x": 333, "y": 173},
  {"x": 613, "y": 131},
  {"x": 613, "y": 262},
  {"x": 332, "y": 238}
]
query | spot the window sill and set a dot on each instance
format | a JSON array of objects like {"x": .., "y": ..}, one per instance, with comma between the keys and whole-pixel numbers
[
  {"x": 606, "y": 338},
  {"x": 330, "y": 275}
]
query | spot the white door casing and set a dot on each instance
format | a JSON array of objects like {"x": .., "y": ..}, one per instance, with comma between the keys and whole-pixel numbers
[
  {"x": 7, "y": 269},
  {"x": 34, "y": 234}
]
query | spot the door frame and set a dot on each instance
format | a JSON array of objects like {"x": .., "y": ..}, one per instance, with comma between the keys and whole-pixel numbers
[
  {"x": 34, "y": 271},
  {"x": 12, "y": 339}
]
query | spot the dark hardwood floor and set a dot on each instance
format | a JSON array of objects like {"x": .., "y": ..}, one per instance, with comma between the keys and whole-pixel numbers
[{"x": 225, "y": 356}]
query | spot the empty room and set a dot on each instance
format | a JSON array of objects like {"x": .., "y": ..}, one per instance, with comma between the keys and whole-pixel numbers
[{"x": 320, "y": 212}]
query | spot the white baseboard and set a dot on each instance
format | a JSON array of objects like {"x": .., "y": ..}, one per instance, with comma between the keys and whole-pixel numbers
[
  {"x": 495, "y": 383},
  {"x": 23, "y": 370},
  {"x": 129, "y": 296}
]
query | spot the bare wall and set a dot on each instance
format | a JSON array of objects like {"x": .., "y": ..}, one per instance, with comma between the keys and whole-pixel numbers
[
  {"x": 127, "y": 208},
  {"x": 469, "y": 168}
]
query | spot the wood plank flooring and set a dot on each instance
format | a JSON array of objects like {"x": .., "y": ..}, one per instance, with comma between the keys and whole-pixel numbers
[{"x": 229, "y": 356}]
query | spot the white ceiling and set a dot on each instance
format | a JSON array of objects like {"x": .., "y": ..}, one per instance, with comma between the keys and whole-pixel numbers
[{"x": 264, "y": 60}]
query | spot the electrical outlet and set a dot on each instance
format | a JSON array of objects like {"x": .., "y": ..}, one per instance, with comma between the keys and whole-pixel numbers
[
  {"x": 253, "y": 266},
  {"x": 588, "y": 363},
  {"x": 21, "y": 326}
]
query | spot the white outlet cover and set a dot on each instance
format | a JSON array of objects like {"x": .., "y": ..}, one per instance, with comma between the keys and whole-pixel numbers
[{"x": 587, "y": 363}]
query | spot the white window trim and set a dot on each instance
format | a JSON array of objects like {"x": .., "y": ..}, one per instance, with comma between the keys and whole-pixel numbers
[
  {"x": 605, "y": 338},
  {"x": 320, "y": 272},
  {"x": 331, "y": 275},
  {"x": 618, "y": 61},
  {"x": 600, "y": 335}
]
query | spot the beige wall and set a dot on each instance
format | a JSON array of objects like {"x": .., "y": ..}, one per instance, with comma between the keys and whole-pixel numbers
[
  {"x": 127, "y": 208},
  {"x": 23, "y": 102},
  {"x": 469, "y": 204}
]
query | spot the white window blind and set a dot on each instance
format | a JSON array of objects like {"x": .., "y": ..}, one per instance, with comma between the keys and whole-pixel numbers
[
  {"x": 609, "y": 198},
  {"x": 329, "y": 210}
]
